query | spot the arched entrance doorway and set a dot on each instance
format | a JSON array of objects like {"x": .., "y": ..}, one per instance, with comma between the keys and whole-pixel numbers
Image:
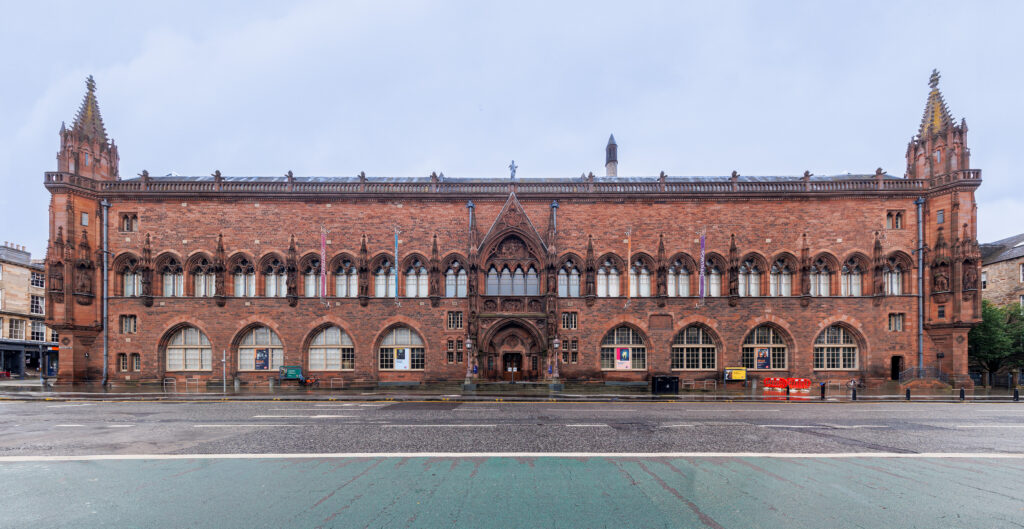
[{"x": 514, "y": 348}]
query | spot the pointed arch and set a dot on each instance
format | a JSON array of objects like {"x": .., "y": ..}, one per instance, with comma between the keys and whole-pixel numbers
[
  {"x": 695, "y": 347},
  {"x": 855, "y": 275},
  {"x": 202, "y": 275},
  {"x": 344, "y": 273},
  {"x": 273, "y": 269},
  {"x": 767, "y": 341},
  {"x": 171, "y": 274},
  {"x": 127, "y": 270},
  {"x": 838, "y": 346}
]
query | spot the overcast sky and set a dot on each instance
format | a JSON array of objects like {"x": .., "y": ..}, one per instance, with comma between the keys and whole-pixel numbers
[{"x": 406, "y": 88}]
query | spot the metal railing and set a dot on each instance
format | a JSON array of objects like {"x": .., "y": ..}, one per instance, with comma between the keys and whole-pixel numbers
[{"x": 930, "y": 373}]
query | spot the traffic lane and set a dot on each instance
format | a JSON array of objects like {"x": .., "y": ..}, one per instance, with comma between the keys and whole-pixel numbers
[
  {"x": 563, "y": 491},
  {"x": 336, "y": 427}
]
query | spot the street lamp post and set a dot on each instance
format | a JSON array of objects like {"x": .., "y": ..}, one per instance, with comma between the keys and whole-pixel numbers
[{"x": 555, "y": 344}]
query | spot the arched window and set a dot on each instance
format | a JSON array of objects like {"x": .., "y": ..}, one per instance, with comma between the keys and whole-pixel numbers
[
  {"x": 764, "y": 348},
  {"x": 750, "y": 279},
  {"x": 189, "y": 350},
  {"x": 623, "y": 348},
  {"x": 493, "y": 282},
  {"x": 244, "y": 274},
  {"x": 835, "y": 348},
  {"x": 607, "y": 280},
  {"x": 455, "y": 281},
  {"x": 131, "y": 278},
  {"x": 678, "y": 281},
  {"x": 402, "y": 348},
  {"x": 850, "y": 280},
  {"x": 260, "y": 350},
  {"x": 346, "y": 280},
  {"x": 569, "y": 280},
  {"x": 820, "y": 276},
  {"x": 505, "y": 282},
  {"x": 311, "y": 279},
  {"x": 693, "y": 348},
  {"x": 892, "y": 274},
  {"x": 173, "y": 278},
  {"x": 331, "y": 350},
  {"x": 532, "y": 282},
  {"x": 204, "y": 278},
  {"x": 385, "y": 281},
  {"x": 712, "y": 280},
  {"x": 416, "y": 281},
  {"x": 276, "y": 277},
  {"x": 781, "y": 281},
  {"x": 640, "y": 280},
  {"x": 519, "y": 282}
]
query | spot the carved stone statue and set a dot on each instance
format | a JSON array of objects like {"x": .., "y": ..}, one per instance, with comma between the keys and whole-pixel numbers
[{"x": 970, "y": 277}]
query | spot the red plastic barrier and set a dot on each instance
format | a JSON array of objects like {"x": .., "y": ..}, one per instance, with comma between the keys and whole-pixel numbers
[
  {"x": 799, "y": 383},
  {"x": 774, "y": 382}
]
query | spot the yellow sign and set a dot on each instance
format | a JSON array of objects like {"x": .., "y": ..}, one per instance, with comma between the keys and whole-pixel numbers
[{"x": 735, "y": 373}]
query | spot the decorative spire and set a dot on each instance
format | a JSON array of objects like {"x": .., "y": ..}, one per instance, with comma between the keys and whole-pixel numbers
[
  {"x": 936, "y": 115},
  {"x": 611, "y": 157},
  {"x": 88, "y": 121}
]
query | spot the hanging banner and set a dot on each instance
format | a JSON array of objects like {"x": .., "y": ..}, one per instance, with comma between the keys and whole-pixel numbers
[
  {"x": 700, "y": 280},
  {"x": 764, "y": 358},
  {"x": 622, "y": 360},
  {"x": 402, "y": 357},
  {"x": 262, "y": 360},
  {"x": 323, "y": 263}
]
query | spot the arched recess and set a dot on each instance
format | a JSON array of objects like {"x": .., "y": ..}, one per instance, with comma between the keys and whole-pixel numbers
[
  {"x": 696, "y": 347},
  {"x": 833, "y": 342},
  {"x": 522, "y": 327},
  {"x": 714, "y": 261},
  {"x": 271, "y": 271},
  {"x": 906, "y": 268},
  {"x": 863, "y": 264},
  {"x": 754, "y": 269},
  {"x": 681, "y": 271},
  {"x": 165, "y": 340},
  {"x": 822, "y": 285},
  {"x": 343, "y": 275},
  {"x": 397, "y": 323},
  {"x": 199, "y": 264},
  {"x": 609, "y": 275},
  {"x": 125, "y": 263},
  {"x": 755, "y": 339},
  {"x": 641, "y": 264},
  {"x": 616, "y": 338},
  {"x": 243, "y": 332},
  {"x": 346, "y": 349},
  {"x": 509, "y": 257},
  {"x": 169, "y": 274},
  {"x": 419, "y": 266}
]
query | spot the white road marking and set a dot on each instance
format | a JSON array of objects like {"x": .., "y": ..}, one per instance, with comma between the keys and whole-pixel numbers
[
  {"x": 301, "y": 416},
  {"x": 439, "y": 426},
  {"x": 788, "y": 426},
  {"x": 68, "y": 405},
  {"x": 587, "y": 425},
  {"x": 852, "y": 426},
  {"x": 120, "y": 425},
  {"x": 990, "y": 426},
  {"x": 69, "y": 425},
  {"x": 728, "y": 410},
  {"x": 462, "y": 455},
  {"x": 234, "y": 425}
]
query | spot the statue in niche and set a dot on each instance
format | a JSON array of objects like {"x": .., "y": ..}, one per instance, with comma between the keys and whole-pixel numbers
[{"x": 970, "y": 277}]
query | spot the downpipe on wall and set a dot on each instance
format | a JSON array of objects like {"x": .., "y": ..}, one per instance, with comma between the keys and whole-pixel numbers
[{"x": 106, "y": 253}]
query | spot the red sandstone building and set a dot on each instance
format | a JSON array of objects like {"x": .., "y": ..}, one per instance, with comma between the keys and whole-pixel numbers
[{"x": 438, "y": 279}]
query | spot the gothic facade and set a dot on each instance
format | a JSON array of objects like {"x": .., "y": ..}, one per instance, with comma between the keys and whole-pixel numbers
[{"x": 364, "y": 280}]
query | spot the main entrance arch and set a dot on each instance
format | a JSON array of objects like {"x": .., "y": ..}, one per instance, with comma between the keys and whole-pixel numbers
[{"x": 513, "y": 344}]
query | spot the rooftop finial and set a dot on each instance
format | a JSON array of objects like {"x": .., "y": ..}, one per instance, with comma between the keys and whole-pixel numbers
[
  {"x": 933, "y": 81},
  {"x": 88, "y": 121}
]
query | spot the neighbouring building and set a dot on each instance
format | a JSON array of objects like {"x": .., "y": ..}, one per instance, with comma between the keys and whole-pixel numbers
[
  {"x": 1002, "y": 271},
  {"x": 427, "y": 279},
  {"x": 25, "y": 341}
]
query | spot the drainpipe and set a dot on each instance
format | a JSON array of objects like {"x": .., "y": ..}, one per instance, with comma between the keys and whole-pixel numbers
[
  {"x": 920, "y": 286},
  {"x": 106, "y": 210}
]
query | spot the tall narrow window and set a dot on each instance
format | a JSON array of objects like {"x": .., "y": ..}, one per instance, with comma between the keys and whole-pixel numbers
[
  {"x": 505, "y": 286},
  {"x": 532, "y": 282},
  {"x": 820, "y": 278},
  {"x": 132, "y": 279},
  {"x": 346, "y": 280},
  {"x": 416, "y": 281},
  {"x": 384, "y": 280},
  {"x": 712, "y": 280},
  {"x": 568, "y": 281},
  {"x": 455, "y": 281},
  {"x": 311, "y": 279},
  {"x": 607, "y": 280},
  {"x": 781, "y": 281},
  {"x": 678, "y": 281},
  {"x": 640, "y": 280},
  {"x": 892, "y": 275},
  {"x": 519, "y": 282},
  {"x": 204, "y": 279},
  {"x": 493, "y": 282},
  {"x": 244, "y": 274},
  {"x": 851, "y": 279},
  {"x": 173, "y": 279},
  {"x": 260, "y": 350},
  {"x": 749, "y": 279},
  {"x": 276, "y": 276}
]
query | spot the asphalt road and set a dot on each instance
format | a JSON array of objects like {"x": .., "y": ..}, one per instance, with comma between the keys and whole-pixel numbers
[
  {"x": 76, "y": 428},
  {"x": 449, "y": 464}
]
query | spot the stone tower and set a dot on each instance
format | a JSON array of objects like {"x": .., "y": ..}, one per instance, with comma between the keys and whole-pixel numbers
[{"x": 611, "y": 157}]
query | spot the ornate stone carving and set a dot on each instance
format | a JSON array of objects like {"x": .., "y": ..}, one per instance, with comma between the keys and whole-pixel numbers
[
  {"x": 511, "y": 305},
  {"x": 490, "y": 305}
]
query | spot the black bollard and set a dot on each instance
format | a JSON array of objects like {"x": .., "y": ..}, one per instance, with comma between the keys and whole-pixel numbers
[
  {"x": 822, "y": 391},
  {"x": 787, "y": 392},
  {"x": 854, "y": 394},
  {"x": 961, "y": 393},
  {"x": 1016, "y": 395},
  {"x": 908, "y": 393}
]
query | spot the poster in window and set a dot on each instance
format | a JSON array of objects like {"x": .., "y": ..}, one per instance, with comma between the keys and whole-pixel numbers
[
  {"x": 764, "y": 358},
  {"x": 402, "y": 355},
  {"x": 622, "y": 358},
  {"x": 262, "y": 359}
]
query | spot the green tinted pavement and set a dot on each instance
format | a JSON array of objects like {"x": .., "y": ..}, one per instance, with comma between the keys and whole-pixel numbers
[{"x": 479, "y": 492}]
